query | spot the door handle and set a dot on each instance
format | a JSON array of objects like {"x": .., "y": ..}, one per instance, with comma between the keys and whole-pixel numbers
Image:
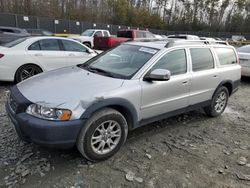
[
  {"x": 215, "y": 76},
  {"x": 38, "y": 54},
  {"x": 71, "y": 54},
  {"x": 184, "y": 82}
]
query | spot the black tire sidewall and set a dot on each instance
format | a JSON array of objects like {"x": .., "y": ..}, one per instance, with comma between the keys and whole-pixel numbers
[
  {"x": 87, "y": 44},
  {"x": 86, "y": 144},
  {"x": 213, "y": 111},
  {"x": 20, "y": 69}
]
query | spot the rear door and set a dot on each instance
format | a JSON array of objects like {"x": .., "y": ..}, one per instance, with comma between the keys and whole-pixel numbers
[
  {"x": 48, "y": 53},
  {"x": 75, "y": 53},
  {"x": 205, "y": 75},
  {"x": 160, "y": 97}
]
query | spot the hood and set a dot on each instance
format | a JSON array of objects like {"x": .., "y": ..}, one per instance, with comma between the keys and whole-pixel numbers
[{"x": 66, "y": 87}]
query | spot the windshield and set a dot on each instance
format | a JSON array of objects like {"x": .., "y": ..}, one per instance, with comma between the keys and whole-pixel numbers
[
  {"x": 121, "y": 62},
  {"x": 177, "y": 37},
  {"x": 88, "y": 33},
  {"x": 13, "y": 43}
]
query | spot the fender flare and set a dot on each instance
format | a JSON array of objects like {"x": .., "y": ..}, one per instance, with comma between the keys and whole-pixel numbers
[
  {"x": 225, "y": 82},
  {"x": 116, "y": 103}
]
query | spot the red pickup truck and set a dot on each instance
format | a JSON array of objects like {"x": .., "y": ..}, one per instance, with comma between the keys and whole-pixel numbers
[{"x": 104, "y": 43}]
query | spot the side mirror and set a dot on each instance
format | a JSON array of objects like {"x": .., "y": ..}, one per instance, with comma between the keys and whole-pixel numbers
[
  {"x": 158, "y": 75},
  {"x": 90, "y": 51}
]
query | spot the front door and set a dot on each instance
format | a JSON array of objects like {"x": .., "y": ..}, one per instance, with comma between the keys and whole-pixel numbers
[
  {"x": 48, "y": 53},
  {"x": 161, "y": 97},
  {"x": 75, "y": 53}
]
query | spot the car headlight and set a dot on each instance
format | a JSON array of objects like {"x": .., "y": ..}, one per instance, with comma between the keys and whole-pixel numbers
[{"x": 49, "y": 113}]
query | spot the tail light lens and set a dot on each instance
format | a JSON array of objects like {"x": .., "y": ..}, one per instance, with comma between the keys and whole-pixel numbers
[{"x": 1, "y": 55}]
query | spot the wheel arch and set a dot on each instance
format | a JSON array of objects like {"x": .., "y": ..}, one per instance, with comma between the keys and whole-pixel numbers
[
  {"x": 26, "y": 65},
  {"x": 121, "y": 105},
  {"x": 228, "y": 84}
]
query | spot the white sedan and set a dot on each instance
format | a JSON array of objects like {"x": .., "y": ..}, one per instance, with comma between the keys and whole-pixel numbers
[
  {"x": 25, "y": 57},
  {"x": 244, "y": 55}
]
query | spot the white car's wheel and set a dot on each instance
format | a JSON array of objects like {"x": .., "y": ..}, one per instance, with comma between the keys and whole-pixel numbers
[{"x": 27, "y": 71}]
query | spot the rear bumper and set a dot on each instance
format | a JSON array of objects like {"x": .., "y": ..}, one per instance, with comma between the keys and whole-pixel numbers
[{"x": 7, "y": 73}]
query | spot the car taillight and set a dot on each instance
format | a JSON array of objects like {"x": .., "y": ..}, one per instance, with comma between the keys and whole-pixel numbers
[
  {"x": 238, "y": 60},
  {"x": 1, "y": 55}
]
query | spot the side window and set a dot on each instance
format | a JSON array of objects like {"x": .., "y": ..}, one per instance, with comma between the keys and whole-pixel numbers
[
  {"x": 105, "y": 33},
  {"x": 49, "y": 45},
  {"x": 202, "y": 59},
  {"x": 149, "y": 35},
  {"x": 34, "y": 46},
  {"x": 226, "y": 56},
  {"x": 73, "y": 46},
  {"x": 140, "y": 34},
  {"x": 174, "y": 61},
  {"x": 98, "y": 34}
]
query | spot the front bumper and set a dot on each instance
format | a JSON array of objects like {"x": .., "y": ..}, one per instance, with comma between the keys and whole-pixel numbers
[{"x": 59, "y": 134}]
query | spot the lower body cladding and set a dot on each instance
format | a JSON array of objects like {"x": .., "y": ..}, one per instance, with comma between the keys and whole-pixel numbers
[{"x": 60, "y": 134}]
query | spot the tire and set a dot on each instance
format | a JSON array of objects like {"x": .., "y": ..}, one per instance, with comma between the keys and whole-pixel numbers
[
  {"x": 87, "y": 44},
  {"x": 27, "y": 71},
  {"x": 107, "y": 117},
  {"x": 219, "y": 102}
]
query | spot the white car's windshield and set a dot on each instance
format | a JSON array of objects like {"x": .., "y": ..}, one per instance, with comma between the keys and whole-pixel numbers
[
  {"x": 88, "y": 33},
  {"x": 121, "y": 62}
]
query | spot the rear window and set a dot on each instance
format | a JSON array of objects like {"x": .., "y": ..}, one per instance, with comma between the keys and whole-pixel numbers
[
  {"x": 124, "y": 34},
  {"x": 140, "y": 34},
  {"x": 226, "y": 56},
  {"x": 105, "y": 33},
  {"x": 202, "y": 59}
]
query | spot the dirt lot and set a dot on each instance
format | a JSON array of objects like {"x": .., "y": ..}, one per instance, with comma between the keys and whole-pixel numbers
[{"x": 190, "y": 150}]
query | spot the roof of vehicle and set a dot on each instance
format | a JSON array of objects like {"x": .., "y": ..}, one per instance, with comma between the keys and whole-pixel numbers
[
  {"x": 32, "y": 29},
  {"x": 134, "y": 30},
  {"x": 96, "y": 30},
  {"x": 47, "y": 37},
  {"x": 4, "y": 27},
  {"x": 166, "y": 43},
  {"x": 182, "y": 35}
]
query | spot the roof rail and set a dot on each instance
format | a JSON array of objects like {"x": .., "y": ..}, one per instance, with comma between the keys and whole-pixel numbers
[{"x": 207, "y": 42}]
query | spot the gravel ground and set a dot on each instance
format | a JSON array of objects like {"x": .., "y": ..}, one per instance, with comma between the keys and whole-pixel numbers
[{"x": 190, "y": 150}]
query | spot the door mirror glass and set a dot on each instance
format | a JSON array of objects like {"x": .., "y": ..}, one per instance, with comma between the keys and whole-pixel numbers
[{"x": 158, "y": 75}]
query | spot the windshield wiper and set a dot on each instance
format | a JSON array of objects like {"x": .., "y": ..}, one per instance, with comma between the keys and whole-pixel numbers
[{"x": 98, "y": 70}]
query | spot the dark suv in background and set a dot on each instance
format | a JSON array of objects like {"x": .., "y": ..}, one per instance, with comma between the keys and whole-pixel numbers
[
  {"x": 8, "y": 34},
  {"x": 39, "y": 32}
]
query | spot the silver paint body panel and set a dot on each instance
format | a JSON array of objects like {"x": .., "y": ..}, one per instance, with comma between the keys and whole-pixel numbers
[{"x": 77, "y": 89}]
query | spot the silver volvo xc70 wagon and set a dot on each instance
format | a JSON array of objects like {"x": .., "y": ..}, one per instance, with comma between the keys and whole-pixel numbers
[{"x": 95, "y": 104}]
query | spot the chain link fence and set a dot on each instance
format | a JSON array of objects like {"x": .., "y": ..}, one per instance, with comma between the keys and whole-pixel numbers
[{"x": 76, "y": 27}]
